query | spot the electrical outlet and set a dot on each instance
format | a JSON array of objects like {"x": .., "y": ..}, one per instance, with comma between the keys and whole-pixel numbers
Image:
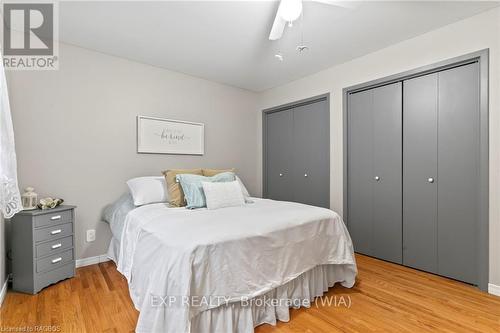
[{"x": 90, "y": 235}]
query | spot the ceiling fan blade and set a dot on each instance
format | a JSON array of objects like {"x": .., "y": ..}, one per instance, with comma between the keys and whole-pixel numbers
[
  {"x": 343, "y": 4},
  {"x": 277, "y": 29}
]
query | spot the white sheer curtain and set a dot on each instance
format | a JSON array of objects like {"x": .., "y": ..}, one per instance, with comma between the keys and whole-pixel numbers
[{"x": 10, "y": 199}]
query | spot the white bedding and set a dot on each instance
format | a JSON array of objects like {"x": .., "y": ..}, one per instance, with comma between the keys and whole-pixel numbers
[{"x": 209, "y": 257}]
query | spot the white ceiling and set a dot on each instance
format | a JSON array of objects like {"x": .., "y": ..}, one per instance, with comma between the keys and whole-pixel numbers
[{"x": 227, "y": 41}]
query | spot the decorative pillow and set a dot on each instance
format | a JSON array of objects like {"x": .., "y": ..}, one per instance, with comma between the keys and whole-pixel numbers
[
  {"x": 148, "y": 190},
  {"x": 193, "y": 189},
  {"x": 244, "y": 190},
  {"x": 213, "y": 172},
  {"x": 220, "y": 195},
  {"x": 175, "y": 194}
]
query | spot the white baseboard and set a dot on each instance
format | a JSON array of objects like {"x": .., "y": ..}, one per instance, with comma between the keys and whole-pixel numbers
[
  {"x": 494, "y": 289},
  {"x": 3, "y": 292},
  {"x": 91, "y": 260}
]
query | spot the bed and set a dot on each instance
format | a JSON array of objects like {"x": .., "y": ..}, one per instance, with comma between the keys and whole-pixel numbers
[{"x": 230, "y": 269}]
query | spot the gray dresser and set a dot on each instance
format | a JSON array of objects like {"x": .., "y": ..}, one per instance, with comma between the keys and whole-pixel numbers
[{"x": 42, "y": 248}]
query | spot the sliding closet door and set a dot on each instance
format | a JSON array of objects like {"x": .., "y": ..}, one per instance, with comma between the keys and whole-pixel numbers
[
  {"x": 279, "y": 136},
  {"x": 458, "y": 172},
  {"x": 375, "y": 171},
  {"x": 311, "y": 154},
  {"x": 387, "y": 172},
  {"x": 420, "y": 115}
]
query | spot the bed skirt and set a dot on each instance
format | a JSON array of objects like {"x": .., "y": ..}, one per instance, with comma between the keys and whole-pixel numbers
[{"x": 273, "y": 306}]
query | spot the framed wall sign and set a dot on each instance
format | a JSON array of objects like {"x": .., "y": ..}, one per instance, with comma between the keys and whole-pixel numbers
[{"x": 167, "y": 136}]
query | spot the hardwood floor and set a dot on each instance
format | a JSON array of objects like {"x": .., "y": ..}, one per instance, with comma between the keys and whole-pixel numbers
[{"x": 386, "y": 298}]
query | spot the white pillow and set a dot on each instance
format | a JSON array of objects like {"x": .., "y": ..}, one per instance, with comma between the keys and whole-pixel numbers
[
  {"x": 243, "y": 188},
  {"x": 148, "y": 190},
  {"x": 226, "y": 194}
]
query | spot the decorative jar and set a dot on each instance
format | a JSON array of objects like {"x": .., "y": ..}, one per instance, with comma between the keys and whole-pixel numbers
[{"x": 29, "y": 198}]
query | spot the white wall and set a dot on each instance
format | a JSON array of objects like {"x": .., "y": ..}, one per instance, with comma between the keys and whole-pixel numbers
[
  {"x": 473, "y": 34},
  {"x": 75, "y": 130}
]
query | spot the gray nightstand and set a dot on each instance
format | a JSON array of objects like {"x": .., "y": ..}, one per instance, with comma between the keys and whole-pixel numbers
[{"x": 42, "y": 248}]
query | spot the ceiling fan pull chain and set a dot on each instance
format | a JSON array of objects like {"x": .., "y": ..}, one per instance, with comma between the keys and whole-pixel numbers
[{"x": 302, "y": 47}]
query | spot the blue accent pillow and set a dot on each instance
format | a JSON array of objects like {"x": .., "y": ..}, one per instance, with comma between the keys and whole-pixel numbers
[{"x": 193, "y": 189}]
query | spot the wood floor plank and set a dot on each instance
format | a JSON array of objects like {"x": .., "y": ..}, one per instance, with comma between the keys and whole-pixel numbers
[{"x": 386, "y": 298}]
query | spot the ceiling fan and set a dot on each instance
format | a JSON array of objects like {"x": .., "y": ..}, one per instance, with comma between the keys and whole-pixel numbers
[{"x": 290, "y": 10}]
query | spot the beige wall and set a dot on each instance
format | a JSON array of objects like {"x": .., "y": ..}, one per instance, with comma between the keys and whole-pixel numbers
[
  {"x": 473, "y": 34},
  {"x": 75, "y": 130}
]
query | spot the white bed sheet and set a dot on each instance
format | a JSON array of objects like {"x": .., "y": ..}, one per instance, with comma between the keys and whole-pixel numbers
[{"x": 223, "y": 255}]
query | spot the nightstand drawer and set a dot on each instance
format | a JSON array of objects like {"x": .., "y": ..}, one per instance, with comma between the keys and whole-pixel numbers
[
  {"x": 54, "y": 232},
  {"x": 44, "y": 279},
  {"x": 59, "y": 217},
  {"x": 55, "y": 261},
  {"x": 54, "y": 246}
]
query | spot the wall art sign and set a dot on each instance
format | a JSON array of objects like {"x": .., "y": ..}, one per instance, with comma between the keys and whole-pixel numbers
[{"x": 167, "y": 136}]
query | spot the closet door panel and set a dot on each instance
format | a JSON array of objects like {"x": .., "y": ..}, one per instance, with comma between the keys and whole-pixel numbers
[
  {"x": 360, "y": 171},
  {"x": 311, "y": 154},
  {"x": 458, "y": 172},
  {"x": 387, "y": 172},
  {"x": 279, "y": 155},
  {"x": 419, "y": 164}
]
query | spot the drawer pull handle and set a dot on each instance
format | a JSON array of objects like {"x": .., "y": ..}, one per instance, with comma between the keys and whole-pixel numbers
[
  {"x": 55, "y": 232},
  {"x": 55, "y": 246},
  {"x": 56, "y": 260},
  {"x": 57, "y": 217}
]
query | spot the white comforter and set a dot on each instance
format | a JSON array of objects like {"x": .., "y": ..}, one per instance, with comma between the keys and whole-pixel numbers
[{"x": 180, "y": 262}]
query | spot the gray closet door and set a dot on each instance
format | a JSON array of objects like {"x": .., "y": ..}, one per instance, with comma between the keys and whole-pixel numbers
[
  {"x": 279, "y": 157},
  {"x": 458, "y": 172},
  {"x": 387, "y": 166},
  {"x": 360, "y": 170},
  {"x": 441, "y": 172},
  {"x": 311, "y": 154},
  {"x": 375, "y": 171},
  {"x": 420, "y": 114}
]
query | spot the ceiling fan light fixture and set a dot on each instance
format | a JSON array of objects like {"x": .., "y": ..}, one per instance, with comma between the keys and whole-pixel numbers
[
  {"x": 290, "y": 10},
  {"x": 302, "y": 48}
]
